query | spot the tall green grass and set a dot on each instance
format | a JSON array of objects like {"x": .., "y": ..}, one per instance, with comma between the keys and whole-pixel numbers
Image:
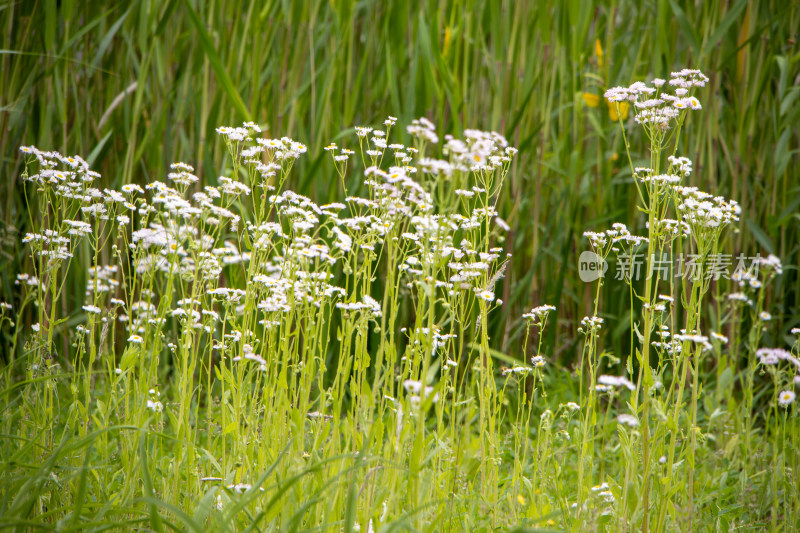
[{"x": 134, "y": 87}]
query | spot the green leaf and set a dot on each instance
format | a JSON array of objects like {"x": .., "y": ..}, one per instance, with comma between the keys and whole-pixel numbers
[
  {"x": 216, "y": 63},
  {"x": 128, "y": 358},
  {"x": 759, "y": 234},
  {"x": 494, "y": 353},
  {"x": 99, "y": 148},
  {"x": 685, "y": 26},
  {"x": 155, "y": 518},
  {"x": 788, "y": 101},
  {"x": 724, "y": 25}
]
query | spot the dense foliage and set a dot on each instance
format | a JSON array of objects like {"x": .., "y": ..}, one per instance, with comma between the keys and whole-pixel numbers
[{"x": 287, "y": 334}]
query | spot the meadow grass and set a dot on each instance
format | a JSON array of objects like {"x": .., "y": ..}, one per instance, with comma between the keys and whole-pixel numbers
[{"x": 282, "y": 365}]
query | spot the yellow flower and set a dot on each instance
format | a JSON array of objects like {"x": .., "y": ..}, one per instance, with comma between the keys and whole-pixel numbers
[
  {"x": 520, "y": 499},
  {"x": 623, "y": 110},
  {"x": 447, "y": 37},
  {"x": 598, "y": 51},
  {"x": 592, "y": 100}
]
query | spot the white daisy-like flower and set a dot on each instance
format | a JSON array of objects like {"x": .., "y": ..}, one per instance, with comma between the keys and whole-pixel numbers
[
  {"x": 485, "y": 295},
  {"x": 717, "y": 337},
  {"x": 630, "y": 420},
  {"x": 538, "y": 361},
  {"x": 771, "y": 356},
  {"x": 539, "y": 313},
  {"x": 131, "y": 188},
  {"x": 616, "y": 381},
  {"x": 786, "y": 398},
  {"x": 607, "y": 496}
]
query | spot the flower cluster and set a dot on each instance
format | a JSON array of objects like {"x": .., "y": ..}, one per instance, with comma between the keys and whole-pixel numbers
[
  {"x": 700, "y": 209},
  {"x": 656, "y": 107}
]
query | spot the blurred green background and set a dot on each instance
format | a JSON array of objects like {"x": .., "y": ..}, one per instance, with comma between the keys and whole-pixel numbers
[{"x": 134, "y": 86}]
